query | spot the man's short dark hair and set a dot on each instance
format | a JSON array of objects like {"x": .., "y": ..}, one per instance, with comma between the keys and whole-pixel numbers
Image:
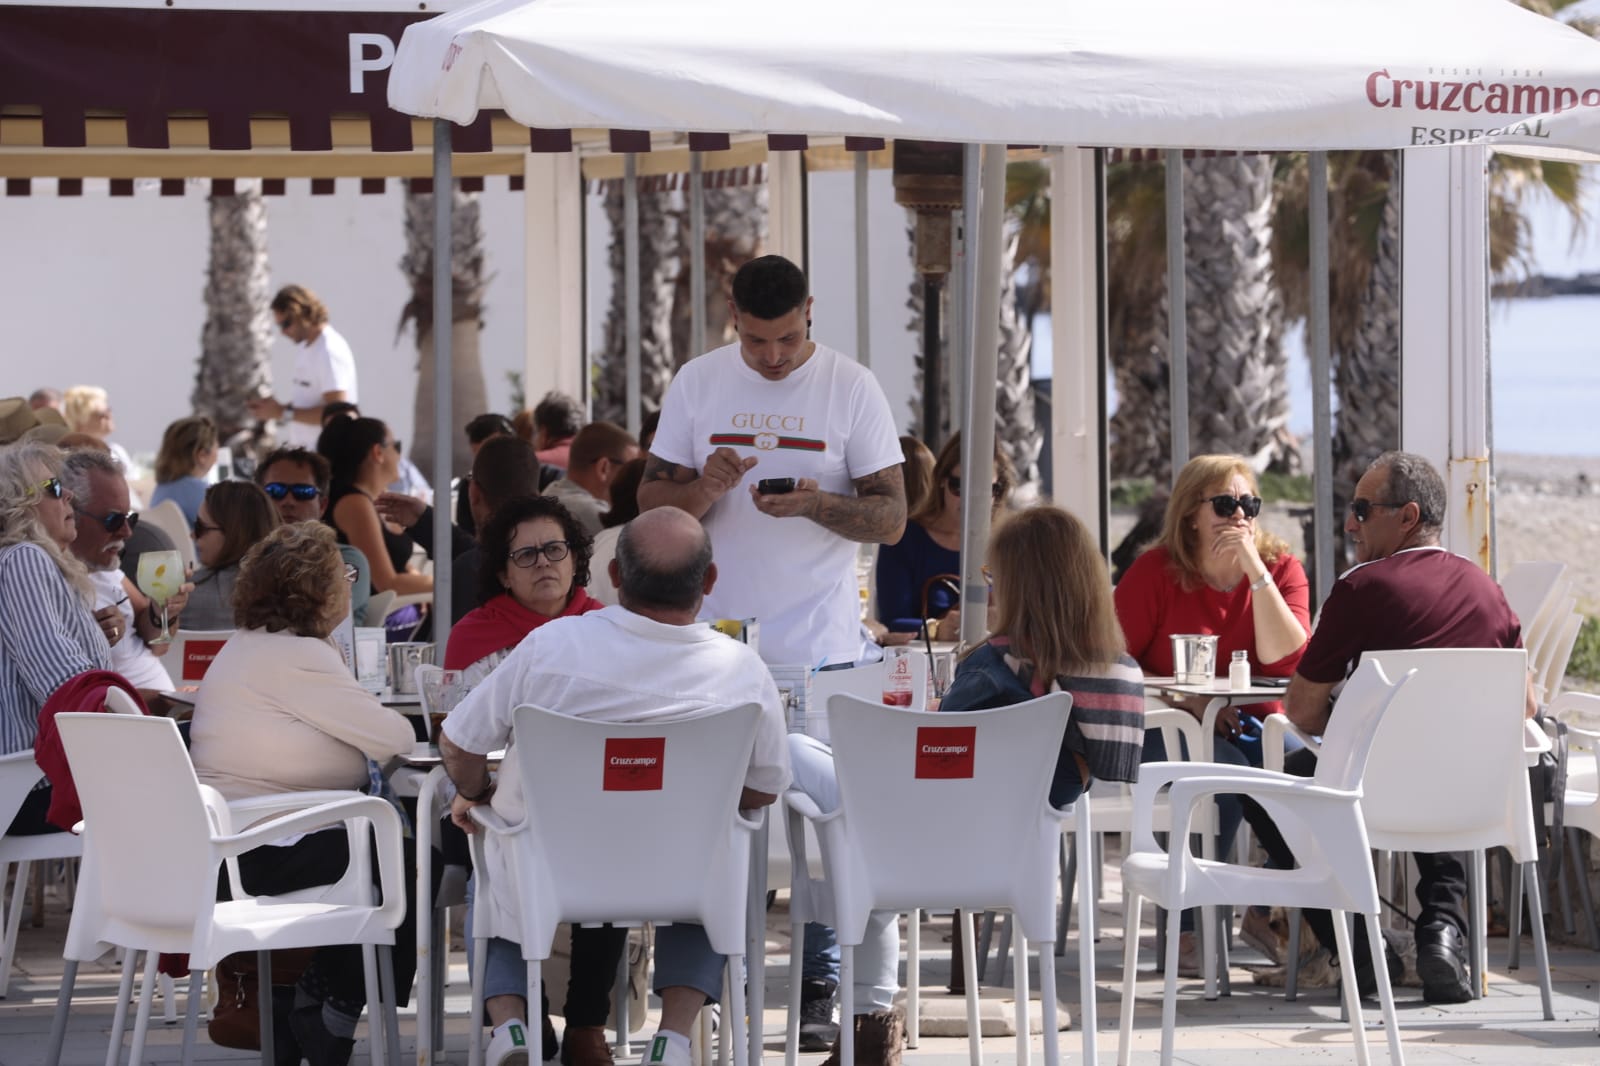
[
  {"x": 645, "y": 582},
  {"x": 1412, "y": 479},
  {"x": 503, "y": 469},
  {"x": 321, "y": 472},
  {"x": 485, "y": 426},
  {"x": 558, "y": 415},
  {"x": 769, "y": 287},
  {"x": 597, "y": 441}
]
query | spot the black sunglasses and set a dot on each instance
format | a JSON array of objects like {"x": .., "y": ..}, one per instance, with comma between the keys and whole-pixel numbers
[
  {"x": 996, "y": 490},
  {"x": 50, "y": 487},
  {"x": 525, "y": 557},
  {"x": 200, "y": 529},
  {"x": 278, "y": 490},
  {"x": 1362, "y": 509},
  {"x": 112, "y": 520},
  {"x": 1224, "y": 506}
]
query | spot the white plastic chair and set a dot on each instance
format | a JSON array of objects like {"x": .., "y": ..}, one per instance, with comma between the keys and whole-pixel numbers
[
  {"x": 1530, "y": 586},
  {"x": 378, "y": 606},
  {"x": 1448, "y": 773},
  {"x": 150, "y": 873},
  {"x": 680, "y": 822},
  {"x": 168, "y": 517},
  {"x": 966, "y": 830},
  {"x": 865, "y": 682},
  {"x": 192, "y": 652},
  {"x": 1319, "y": 817}
]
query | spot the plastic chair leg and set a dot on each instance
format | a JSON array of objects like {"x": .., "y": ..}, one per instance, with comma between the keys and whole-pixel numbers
[
  {"x": 141, "y": 1018},
  {"x": 12, "y": 914},
  {"x": 1579, "y": 871},
  {"x": 191, "y": 1014},
  {"x": 1350, "y": 996},
  {"x": 985, "y": 928},
  {"x": 1169, "y": 990},
  {"x": 438, "y": 985},
  {"x": 621, "y": 999},
  {"x": 791, "y": 1029},
  {"x": 736, "y": 1029},
  {"x": 535, "y": 996},
  {"x": 1002, "y": 952},
  {"x": 969, "y": 966},
  {"x": 388, "y": 1015},
  {"x": 914, "y": 979},
  {"x": 1514, "y": 921},
  {"x": 1291, "y": 990},
  {"x": 1020, "y": 1001},
  {"x": 1069, "y": 874},
  {"x": 375, "y": 1033},
  {"x": 1133, "y": 905},
  {"x": 480, "y": 962},
  {"x": 847, "y": 1002},
  {"x": 725, "y": 1037},
  {"x": 1087, "y": 843},
  {"x": 1380, "y": 969},
  {"x": 58, "y": 1023},
  {"x": 1541, "y": 952},
  {"x": 1047, "y": 1007},
  {"x": 119, "y": 1015}
]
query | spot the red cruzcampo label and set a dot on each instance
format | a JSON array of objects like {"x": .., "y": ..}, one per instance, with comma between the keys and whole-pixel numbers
[
  {"x": 197, "y": 656},
  {"x": 945, "y": 752},
  {"x": 633, "y": 764}
]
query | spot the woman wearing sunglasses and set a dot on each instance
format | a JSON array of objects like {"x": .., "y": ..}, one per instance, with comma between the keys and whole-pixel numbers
[
  {"x": 909, "y": 571},
  {"x": 535, "y": 566},
  {"x": 1215, "y": 571},
  {"x": 235, "y": 516},
  {"x": 48, "y": 634}
]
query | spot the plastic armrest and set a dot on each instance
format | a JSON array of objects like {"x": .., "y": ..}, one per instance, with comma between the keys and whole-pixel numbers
[
  {"x": 1577, "y": 709},
  {"x": 1273, "y": 729},
  {"x": 252, "y": 811},
  {"x": 1292, "y": 790},
  {"x": 350, "y": 805},
  {"x": 493, "y": 821},
  {"x": 807, "y": 808},
  {"x": 1154, "y": 776}
]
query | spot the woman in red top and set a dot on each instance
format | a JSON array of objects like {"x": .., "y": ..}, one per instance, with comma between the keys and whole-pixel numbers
[{"x": 1214, "y": 571}]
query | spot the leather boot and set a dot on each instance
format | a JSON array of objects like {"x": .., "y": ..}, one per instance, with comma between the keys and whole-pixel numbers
[{"x": 879, "y": 1037}]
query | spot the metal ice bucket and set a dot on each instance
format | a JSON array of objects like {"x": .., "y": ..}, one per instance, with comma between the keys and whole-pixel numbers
[
  {"x": 404, "y": 659},
  {"x": 1194, "y": 658}
]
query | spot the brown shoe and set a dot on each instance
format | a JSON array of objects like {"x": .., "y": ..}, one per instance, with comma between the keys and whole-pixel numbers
[
  {"x": 585, "y": 1045},
  {"x": 879, "y": 1037}
]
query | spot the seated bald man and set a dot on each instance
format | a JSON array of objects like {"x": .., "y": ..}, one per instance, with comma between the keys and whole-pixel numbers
[{"x": 662, "y": 571}]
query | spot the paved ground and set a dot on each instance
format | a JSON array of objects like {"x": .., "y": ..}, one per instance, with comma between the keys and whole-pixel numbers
[{"x": 1253, "y": 1026}]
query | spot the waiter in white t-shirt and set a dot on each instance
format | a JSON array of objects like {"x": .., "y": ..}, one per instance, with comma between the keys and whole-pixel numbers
[
  {"x": 787, "y": 452},
  {"x": 324, "y": 367}
]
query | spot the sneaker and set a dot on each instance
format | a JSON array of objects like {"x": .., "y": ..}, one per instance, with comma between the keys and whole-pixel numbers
[
  {"x": 1441, "y": 963},
  {"x": 879, "y": 1036},
  {"x": 663, "y": 1052},
  {"x": 818, "y": 1007},
  {"x": 508, "y": 1045},
  {"x": 585, "y": 1045}
]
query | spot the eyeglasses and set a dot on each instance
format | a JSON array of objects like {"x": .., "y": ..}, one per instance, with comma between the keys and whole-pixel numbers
[
  {"x": 1224, "y": 506},
  {"x": 396, "y": 445},
  {"x": 200, "y": 529},
  {"x": 111, "y": 520},
  {"x": 555, "y": 551},
  {"x": 50, "y": 487},
  {"x": 1362, "y": 509},
  {"x": 996, "y": 490},
  {"x": 351, "y": 573},
  {"x": 278, "y": 490}
]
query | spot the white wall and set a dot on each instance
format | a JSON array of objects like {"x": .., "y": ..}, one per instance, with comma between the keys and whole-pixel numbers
[{"x": 96, "y": 290}]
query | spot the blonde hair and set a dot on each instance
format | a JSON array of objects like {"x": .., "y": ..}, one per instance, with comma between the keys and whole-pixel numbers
[
  {"x": 1053, "y": 593},
  {"x": 78, "y": 405},
  {"x": 181, "y": 444},
  {"x": 22, "y": 467},
  {"x": 288, "y": 581},
  {"x": 932, "y": 502},
  {"x": 1196, "y": 482}
]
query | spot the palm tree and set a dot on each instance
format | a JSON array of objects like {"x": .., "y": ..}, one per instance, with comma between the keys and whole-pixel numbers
[
  {"x": 469, "y": 396},
  {"x": 660, "y": 263},
  {"x": 736, "y": 229},
  {"x": 234, "y": 342}
]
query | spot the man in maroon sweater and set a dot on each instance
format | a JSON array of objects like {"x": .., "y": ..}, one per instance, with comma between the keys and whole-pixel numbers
[{"x": 1406, "y": 592}]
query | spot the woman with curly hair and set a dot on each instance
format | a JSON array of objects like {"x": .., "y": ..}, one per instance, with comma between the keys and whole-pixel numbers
[
  {"x": 535, "y": 566},
  {"x": 235, "y": 516},
  {"x": 187, "y": 454},
  {"x": 279, "y": 711},
  {"x": 48, "y": 633}
]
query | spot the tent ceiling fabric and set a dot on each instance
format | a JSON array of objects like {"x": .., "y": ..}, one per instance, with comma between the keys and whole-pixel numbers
[{"x": 1243, "y": 74}]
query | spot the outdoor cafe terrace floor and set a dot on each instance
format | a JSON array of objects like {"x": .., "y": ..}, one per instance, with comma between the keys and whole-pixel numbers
[{"x": 1253, "y": 1026}]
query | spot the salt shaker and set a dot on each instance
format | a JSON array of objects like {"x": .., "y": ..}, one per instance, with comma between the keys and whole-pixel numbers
[{"x": 1239, "y": 671}]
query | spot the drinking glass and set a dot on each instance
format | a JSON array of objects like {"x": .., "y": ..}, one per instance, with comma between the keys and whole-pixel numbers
[
  {"x": 440, "y": 694},
  {"x": 160, "y": 578},
  {"x": 897, "y": 685}
]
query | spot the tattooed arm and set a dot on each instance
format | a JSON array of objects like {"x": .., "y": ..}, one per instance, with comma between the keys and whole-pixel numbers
[
  {"x": 876, "y": 514},
  {"x": 667, "y": 484}
]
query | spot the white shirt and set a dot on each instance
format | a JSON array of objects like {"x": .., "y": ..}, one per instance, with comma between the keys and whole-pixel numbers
[
  {"x": 613, "y": 665},
  {"x": 130, "y": 656},
  {"x": 827, "y": 420},
  {"x": 324, "y": 365}
]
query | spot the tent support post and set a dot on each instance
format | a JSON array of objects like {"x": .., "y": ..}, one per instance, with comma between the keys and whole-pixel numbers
[
  {"x": 443, "y": 358},
  {"x": 630, "y": 289},
  {"x": 977, "y": 438},
  {"x": 1321, "y": 379},
  {"x": 697, "y": 256},
  {"x": 1177, "y": 317},
  {"x": 1077, "y": 390},
  {"x": 965, "y": 267},
  {"x": 863, "y": 264}
]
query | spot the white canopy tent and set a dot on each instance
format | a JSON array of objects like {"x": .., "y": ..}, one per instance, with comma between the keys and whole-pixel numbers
[{"x": 1466, "y": 75}]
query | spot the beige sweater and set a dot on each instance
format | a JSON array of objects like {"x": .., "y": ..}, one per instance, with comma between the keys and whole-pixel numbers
[{"x": 281, "y": 713}]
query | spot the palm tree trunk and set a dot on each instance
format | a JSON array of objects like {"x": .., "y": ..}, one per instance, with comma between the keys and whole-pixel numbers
[
  {"x": 659, "y": 267},
  {"x": 234, "y": 342},
  {"x": 469, "y": 395},
  {"x": 1016, "y": 428},
  {"x": 736, "y": 231}
]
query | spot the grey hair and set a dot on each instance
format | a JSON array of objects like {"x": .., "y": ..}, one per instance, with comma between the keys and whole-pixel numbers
[
  {"x": 22, "y": 467},
  {"x": 75, "y": 469},
  {"x": 646, "y": 580},
  {"x": 1412, "y": 479}
]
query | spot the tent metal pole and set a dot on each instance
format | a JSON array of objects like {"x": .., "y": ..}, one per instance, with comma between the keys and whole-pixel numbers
[
  {"x": 863, "y": 264},
  {"x": 1102, "y": 315},
  {"x": 443, "y": 357},
  {"x": 1177, "y": 316},
  {"x": 1321, "y": 379},
  {"x": 630, "y": 289},
  {"x": 697, "y": 256},
  {"x": 965, "y": 253},
  {"x": 977, "y": 438}
]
